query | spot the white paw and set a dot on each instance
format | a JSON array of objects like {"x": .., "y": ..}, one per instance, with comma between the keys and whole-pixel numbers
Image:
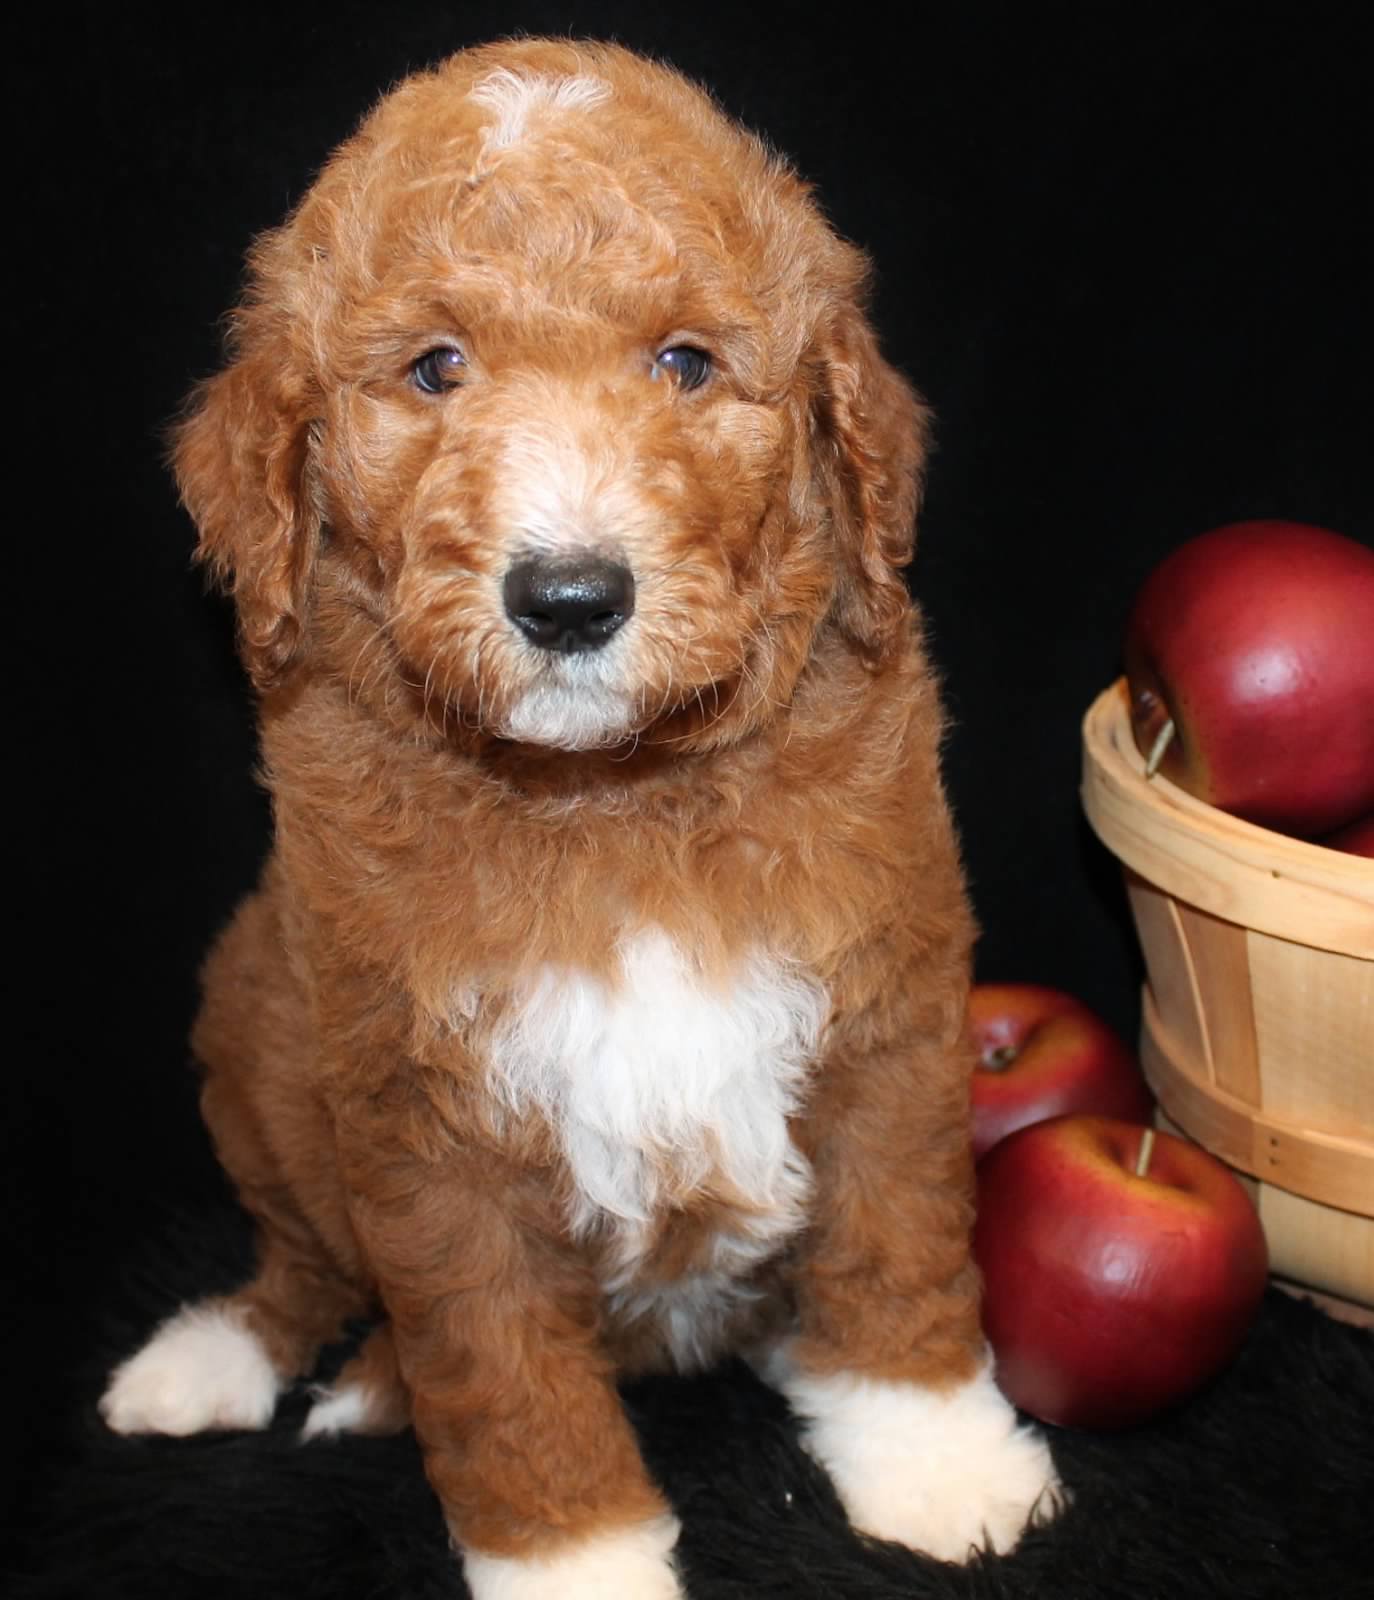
[
  {"x": 202, "y": 1369},
  {"x": 631, "y": 1564},
  {"x": 351, "y": 1408},
  {"x": 946, "y": 1472}
]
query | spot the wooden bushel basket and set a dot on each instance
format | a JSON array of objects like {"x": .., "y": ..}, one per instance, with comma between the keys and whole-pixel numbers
[{"x": 1258, "y": 1029}]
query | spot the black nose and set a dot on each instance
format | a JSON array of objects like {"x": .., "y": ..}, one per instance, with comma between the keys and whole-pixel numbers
[{"x": 569, "y": 603}]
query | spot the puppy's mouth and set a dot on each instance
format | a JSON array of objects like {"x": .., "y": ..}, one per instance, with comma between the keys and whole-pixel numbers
[
  {"x": 577, "y": 701},
  {"x": 569, "y": 662},
  {"x": 579, "y": 705}
]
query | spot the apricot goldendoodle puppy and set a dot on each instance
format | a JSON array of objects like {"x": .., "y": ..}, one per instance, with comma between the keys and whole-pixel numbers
[{"x": 601, "y": 1006}]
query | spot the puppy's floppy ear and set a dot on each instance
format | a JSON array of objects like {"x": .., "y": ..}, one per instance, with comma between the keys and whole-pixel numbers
[
  {"x": 877, "y": 430},
  {"x": 240, "y": 456}
]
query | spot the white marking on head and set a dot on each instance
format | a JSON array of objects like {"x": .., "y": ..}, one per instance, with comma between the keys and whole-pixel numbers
[
  {"x": 515, "y": 99},
  {"x": 203, "y": 1368}
]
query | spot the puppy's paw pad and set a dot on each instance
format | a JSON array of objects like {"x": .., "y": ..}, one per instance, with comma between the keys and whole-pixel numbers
[
  {"x": 632, "y": 1564},
  {"x": 202, "y": 1369},
  {"x": 947, "y": 1473}
]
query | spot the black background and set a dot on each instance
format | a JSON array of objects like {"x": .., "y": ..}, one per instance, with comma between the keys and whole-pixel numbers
[{"x": 1122, "y": 250}]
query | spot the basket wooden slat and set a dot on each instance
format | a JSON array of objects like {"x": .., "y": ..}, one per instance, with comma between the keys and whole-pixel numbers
[
  {"x": 1320, "y": 1166},
  {"x": 1258, "y": 1019}
]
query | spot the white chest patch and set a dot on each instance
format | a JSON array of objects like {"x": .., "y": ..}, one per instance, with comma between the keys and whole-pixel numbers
[{"x": 663, "y": 1083}]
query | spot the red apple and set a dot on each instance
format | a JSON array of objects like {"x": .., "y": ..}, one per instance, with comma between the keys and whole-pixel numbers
[
  {"x": 1113, "y": 1286},
  {"x": 1041, "y": 1053},
  {"x": 1256, "y": 641},
  {"x": 1358, "y": 838}
]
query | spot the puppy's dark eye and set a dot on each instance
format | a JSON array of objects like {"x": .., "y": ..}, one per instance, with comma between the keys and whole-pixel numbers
[
  {"x": 687, "y": 366},
  {"x": 439, "y": 370}
]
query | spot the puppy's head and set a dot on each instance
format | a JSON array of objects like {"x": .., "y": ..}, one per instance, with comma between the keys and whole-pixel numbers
[{"x": 561, "y": 382}]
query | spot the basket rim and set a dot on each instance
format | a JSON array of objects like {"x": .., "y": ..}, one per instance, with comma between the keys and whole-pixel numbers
[{"x": 1249, "y": 875}]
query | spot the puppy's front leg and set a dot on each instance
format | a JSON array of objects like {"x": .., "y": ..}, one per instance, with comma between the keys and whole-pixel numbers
[
  {"x": 888, "y": 1370},
  {"x": 496, "y": 1332}
]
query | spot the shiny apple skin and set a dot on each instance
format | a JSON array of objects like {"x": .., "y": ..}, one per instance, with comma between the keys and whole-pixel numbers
[
  {"x": 1355, "y": 840},
  {"x": 1258, "y": 639},
  {"x": 1108, "y": 1297},
  {"x": 1064, "y": 1059}
]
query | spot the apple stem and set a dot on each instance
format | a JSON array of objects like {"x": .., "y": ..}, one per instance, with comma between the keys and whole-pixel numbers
[
  {"x": 1142, "y": 1161},
  {"x": 1163, "y": 739}
]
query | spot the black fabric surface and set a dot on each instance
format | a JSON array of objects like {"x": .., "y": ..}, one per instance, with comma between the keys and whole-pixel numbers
[
  {"x": 1124, "y": 250},
  {"x": 1259, "y": 1488}
]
